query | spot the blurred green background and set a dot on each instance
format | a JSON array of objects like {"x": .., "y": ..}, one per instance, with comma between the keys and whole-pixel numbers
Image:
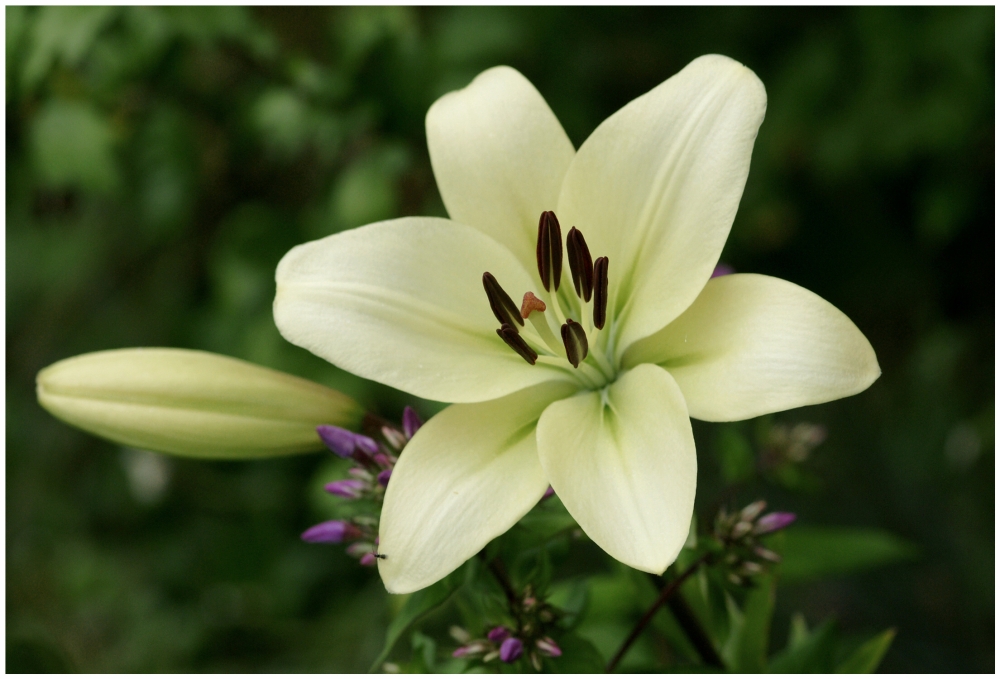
[{"x": 161, "y": 161}]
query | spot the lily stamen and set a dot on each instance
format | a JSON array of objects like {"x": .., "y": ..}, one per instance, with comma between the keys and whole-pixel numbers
[
  {"x": 600, "y": 292},
  {"x": 508, "y": 333},
  {"x": 575, "y": 341},
  {"x": 501, "y": 304},
  {"x": 549, "y": 250},
  {"x": 581, "y": 265}
]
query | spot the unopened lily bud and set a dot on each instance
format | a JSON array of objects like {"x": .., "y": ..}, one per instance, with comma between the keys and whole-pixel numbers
[
  {"x": 411, "y": 422},
  {"x": 772, "y": 522},
  {"x": 511, "y": 650},
  {"x": 498, "y": 634},
  {"x": 548, "y": 647},
  {"x": 383, "y": 477},
  {"x": 331, "y": 531},
  {"x": 343, "y": 443},
  {"x": 191, "y": 403},
  {"x": 350, "y": 489}
]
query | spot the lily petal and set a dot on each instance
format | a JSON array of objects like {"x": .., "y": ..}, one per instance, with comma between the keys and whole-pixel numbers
[
  {"x": 402, "y": 302},
  {"x": 466, "y": 477},
  {"x": 499, "y": 155},
  {"x": 623, "y": 462},
  {"x": 753, "y": 344},
  {"x": 656, "y": 186}
]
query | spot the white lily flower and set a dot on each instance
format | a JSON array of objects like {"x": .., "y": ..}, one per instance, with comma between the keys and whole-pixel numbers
[{"x": 590, "y": 387}]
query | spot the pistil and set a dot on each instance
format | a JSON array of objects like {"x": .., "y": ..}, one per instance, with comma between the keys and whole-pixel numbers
[{"x": 533, "y": 309}]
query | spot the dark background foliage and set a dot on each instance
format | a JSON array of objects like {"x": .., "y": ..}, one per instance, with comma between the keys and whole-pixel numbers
[{"x": 161, "y": 161}]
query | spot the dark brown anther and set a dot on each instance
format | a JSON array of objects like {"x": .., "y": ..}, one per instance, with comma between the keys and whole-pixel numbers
[
  {"x": 548, "y": 250},
  {"x": 508, "y": 333},
  {"x": 600, "y": 291},
  {"x": 575, "y": 340},
  {"x": 502, "y": 305},
  {"x": 580, "y": 264}
]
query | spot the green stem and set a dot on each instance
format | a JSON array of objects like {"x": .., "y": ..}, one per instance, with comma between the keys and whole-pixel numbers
[{"x": 667, "y": 592}]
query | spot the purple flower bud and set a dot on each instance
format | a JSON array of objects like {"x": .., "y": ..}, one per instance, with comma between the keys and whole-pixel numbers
[
  {"x": 548, "y": 647},
  {"x": 368, "y": 559},
  {"x": 351, "y": 489},
  {"x": 549, "y": 492},
  {"x": 511, "y": 649},
  {"x": 722, "y": 270},
  {"x": 384, "y": 460},
  {"x": 411, "y": 422},
  {"x": 773, "y": 522},
  {"x": 332, "y": 531},
  {"x": 343, "y": 442},
  {"x": 383, "y": 477},
  {"x": 498, "y": 634}
]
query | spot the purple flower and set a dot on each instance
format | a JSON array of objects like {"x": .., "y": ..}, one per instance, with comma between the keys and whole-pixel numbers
[
  {"x": 346, "y": 488},
  {"x": 343, "y": 443},
  {"x": 368, "y": 559},
  {"x": 722, "y": 270},
  {"x": 498, "y": 634},
  {"x": 383, "y": 477},
  {"x": 511, "y": 649},
  {"x": 548, "y": 647},
  {"x": 411, "y": 422},
  {"x": 331, "y": 531},
  {"x": 549, "y": 492},
  {"x": 773, "y": 522}
]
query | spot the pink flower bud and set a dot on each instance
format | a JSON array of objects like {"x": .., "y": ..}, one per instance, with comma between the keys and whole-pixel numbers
[
  {"x": 722, "y": 270},
  {"x": 343, "y": 442},
  {"x": 772, "y": 522},
  {"x": 498, "y": 634},
  {"x": 548, "y": 647},
  {"x": 368, "y": 559},
  {"x": 383, "y": 477},
  {"x": 411, "y": 422},
  {"x": 511, "y": 650},
  {"x": 351, "y": 489},
  {"x": 332, "y": 531}
]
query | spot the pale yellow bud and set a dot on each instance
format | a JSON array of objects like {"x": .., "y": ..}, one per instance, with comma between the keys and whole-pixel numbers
[{"x": 192, "y": 403}]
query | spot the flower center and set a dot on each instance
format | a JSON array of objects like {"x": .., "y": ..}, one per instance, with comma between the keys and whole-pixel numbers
[{"x": 564, "y": 315}]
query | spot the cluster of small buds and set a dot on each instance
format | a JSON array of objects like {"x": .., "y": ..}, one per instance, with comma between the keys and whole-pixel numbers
[
  {"x": 369, "y": 477},
  {"x": 738, "y": 534},
  {"x": 792, "y": 443},
  {"x": 508, "y": 645}
]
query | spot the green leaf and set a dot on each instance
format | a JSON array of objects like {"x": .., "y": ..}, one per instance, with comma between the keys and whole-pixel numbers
[
  {"x": 578, "y": 656},
  {"x": 866, "y": 659},
  {"x": 811, "y": 553},
  {"x": 746, "y": 648},
  {"x": 806, "y": 651},
  {"x": 736, "y": 456},
  {"x": 72, "y": 145},
  {"x": 417, "y": 605}
]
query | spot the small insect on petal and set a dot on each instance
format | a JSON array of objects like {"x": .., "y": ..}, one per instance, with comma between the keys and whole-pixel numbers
[
  {"x": 548, "y": 250},
  {"x": 509, "y": 335},
  {"x": 574, "y": 339},
  {"x": 580, "y": 264},
  {"x": 501, "y": 304},
  {"x": 600, "y": 291}
]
